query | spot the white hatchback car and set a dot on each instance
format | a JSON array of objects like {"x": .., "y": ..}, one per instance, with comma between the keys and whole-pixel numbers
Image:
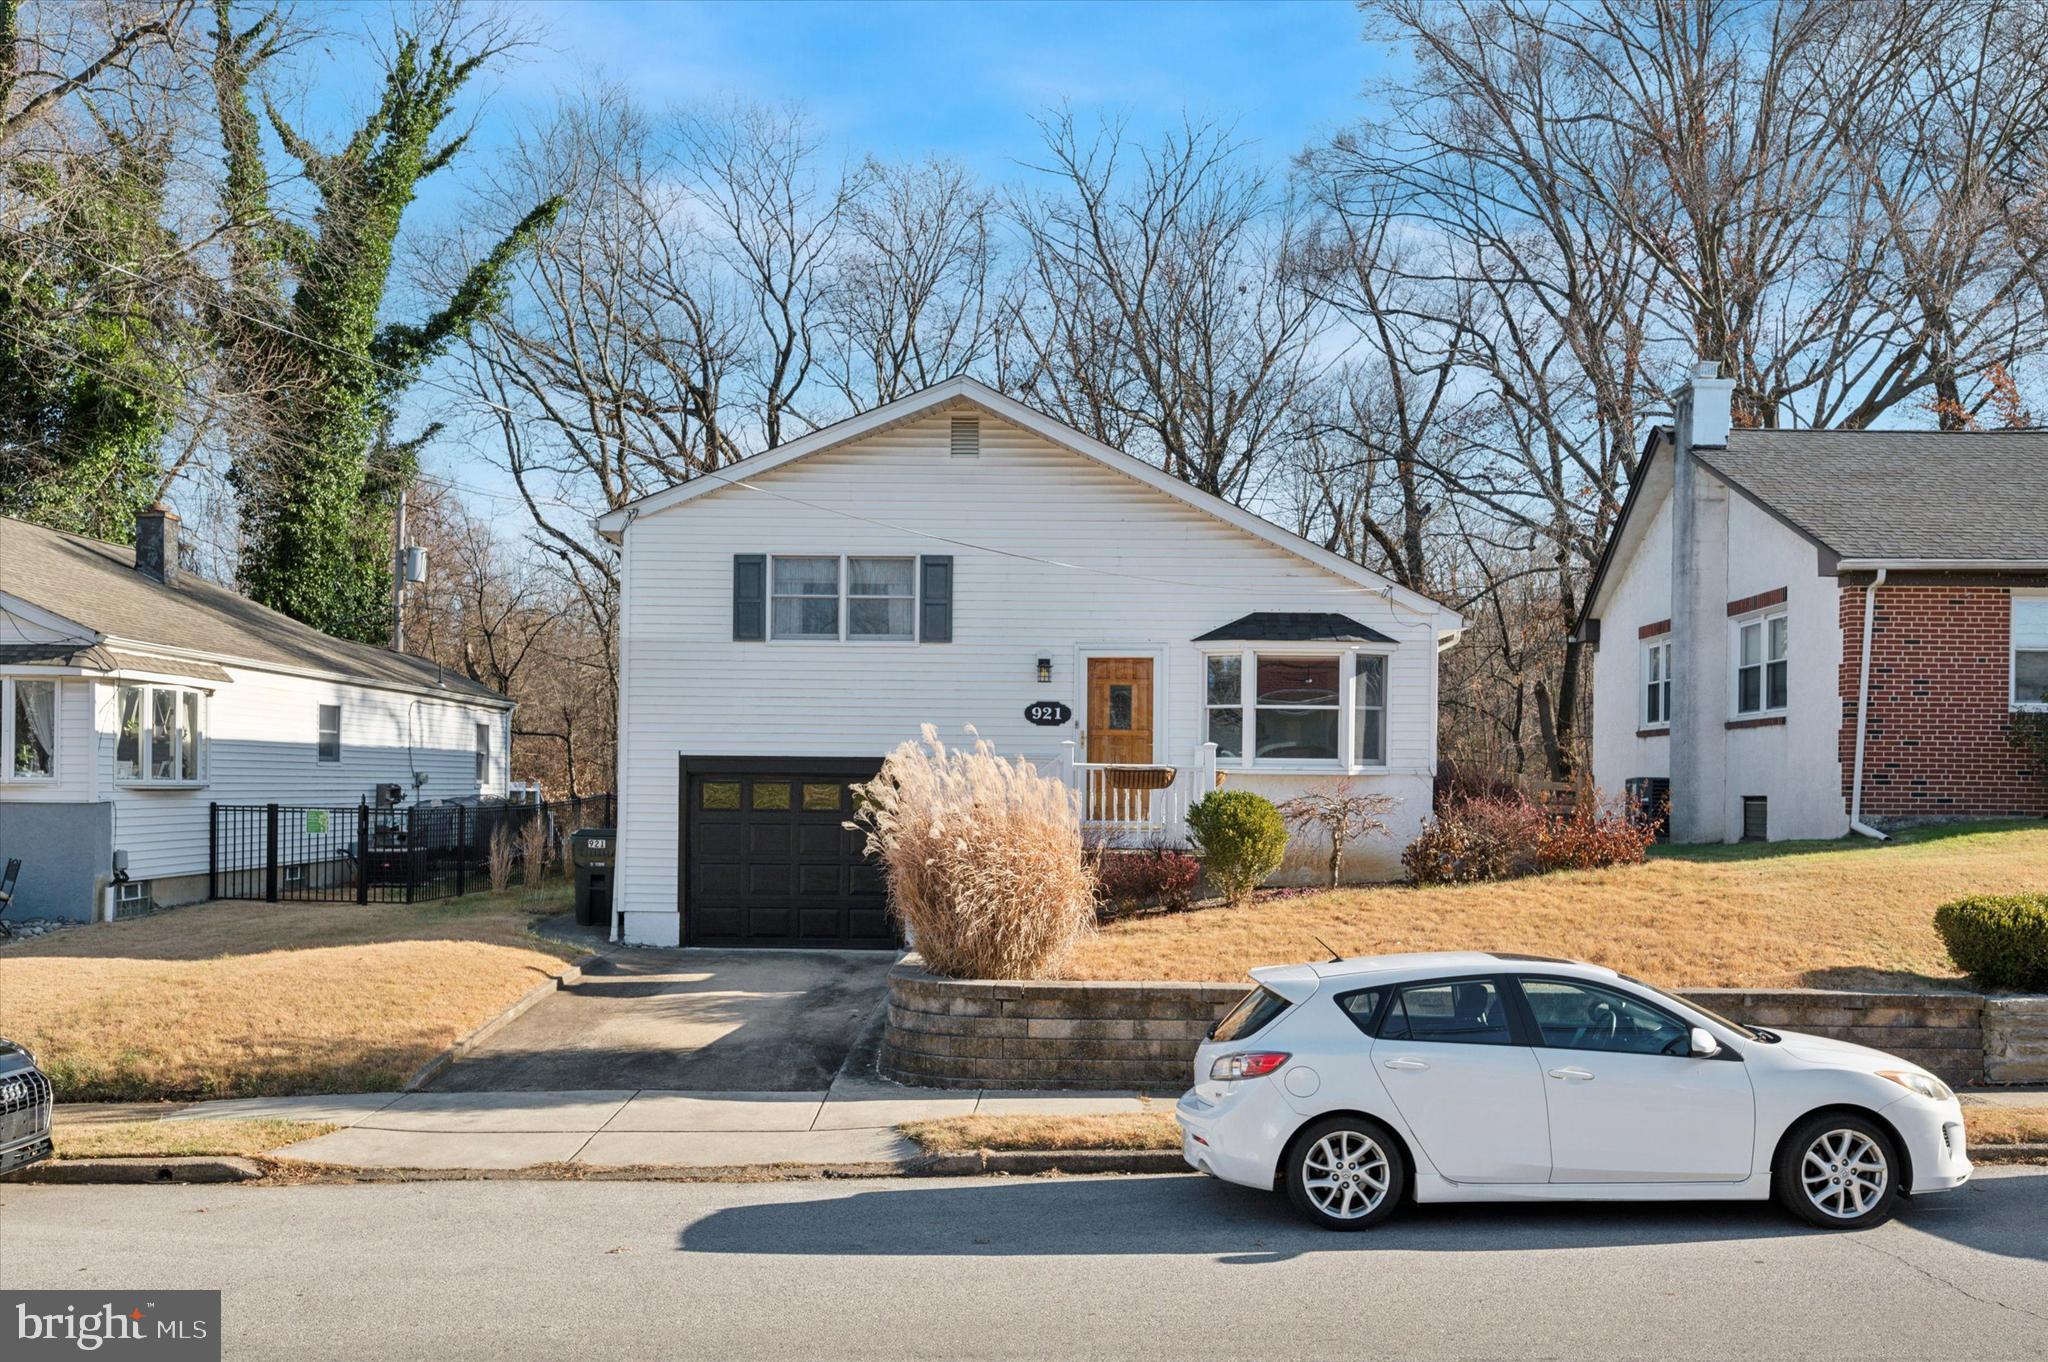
[{"x": 1475, "y": 1077}]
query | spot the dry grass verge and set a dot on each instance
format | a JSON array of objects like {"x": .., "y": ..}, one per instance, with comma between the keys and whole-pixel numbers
[
  {"x": 1779, "y": 915},
  {"x": 2006, "y": 1125},
  {"x": 180, "y": 1139},
  {"x": 962, "y": 1134},
  {"x": 243, "y": 999}
]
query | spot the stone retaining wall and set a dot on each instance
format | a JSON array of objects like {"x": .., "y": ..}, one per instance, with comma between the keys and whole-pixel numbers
[{"x": 976, "y": 1033}]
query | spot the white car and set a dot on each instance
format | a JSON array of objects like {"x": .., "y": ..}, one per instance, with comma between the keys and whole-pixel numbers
[{"x": 1475, "y": 1077}]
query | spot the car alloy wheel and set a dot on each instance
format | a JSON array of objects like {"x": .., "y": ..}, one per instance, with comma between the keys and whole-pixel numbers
[
  {"x": 1838, "y": 1170},
  {"x": 1844, "y": 1173},
  {"x": 1345, "y": 1173}
]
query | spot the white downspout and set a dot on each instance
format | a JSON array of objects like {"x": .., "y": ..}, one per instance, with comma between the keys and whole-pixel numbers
[{"x": 1856, "y": 823}]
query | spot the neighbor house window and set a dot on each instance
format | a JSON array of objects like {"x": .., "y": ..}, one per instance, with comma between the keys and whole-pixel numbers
[
  {"x": 805, "y": 600},
  {"x": 1760, "y": 664},
  {"x": 1284, "y": 708},
  {"x": 160, "y": 735},
  {"x": 483, "y": 754},
  {"x": 28, "y": 716},
  {"x": 881, "y": 598},
  {"x": 2030, "y": 651},
  {"x": 330, "y": 733},
  {"x": 1657, "y": 683}
]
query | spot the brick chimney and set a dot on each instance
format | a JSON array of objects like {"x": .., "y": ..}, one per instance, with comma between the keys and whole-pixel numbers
[{"x": 156, "y": 544}]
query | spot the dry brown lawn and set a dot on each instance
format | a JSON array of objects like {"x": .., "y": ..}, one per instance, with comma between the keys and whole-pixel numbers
[
  {"x": 2006, "y": 1125},
  {"x": 252, "y": 999},
  {"x": 957, "y": 1134},
  {"x": 179, "y": 1139},
  {"x": 1788, "y": 914}
]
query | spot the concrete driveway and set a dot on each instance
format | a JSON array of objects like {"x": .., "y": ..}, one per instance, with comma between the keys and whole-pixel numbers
[{"x": 687, "y": 1021}]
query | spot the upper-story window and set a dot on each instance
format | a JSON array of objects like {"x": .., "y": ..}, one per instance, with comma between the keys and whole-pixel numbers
[
  {"x": 2029, "y": 651},
  {"x": 1761, "y": 667},
  {"x": 850, "y": 598},
  {"x": 1656, "y": 682},
  {"x": 1295, "y": 708},
  {"x": 28, "y": 729},
  {"x": 160, "y": 735}
]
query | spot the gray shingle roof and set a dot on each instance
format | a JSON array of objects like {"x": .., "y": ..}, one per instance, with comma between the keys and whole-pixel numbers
[
  {"x": 1286, "y": 626},
  {"x": 1962, "y": 497},
  {"x": 97, "y": 585}
]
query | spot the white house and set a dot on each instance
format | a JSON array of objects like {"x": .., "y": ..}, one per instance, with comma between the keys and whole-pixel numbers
[
  {"x": 957, "y": 559},
  {"x": 1799, "y": 633},
  {"x": 133, "y": 697}
]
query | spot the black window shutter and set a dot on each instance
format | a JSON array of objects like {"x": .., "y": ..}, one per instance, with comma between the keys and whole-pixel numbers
[
  {"x": 749, "y": 596},
  {"x": 937, "y": 595}
]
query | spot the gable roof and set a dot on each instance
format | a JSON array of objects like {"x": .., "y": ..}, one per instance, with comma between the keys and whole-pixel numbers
[
  {"x": 1286, "y": 626},
  {"x": 612, "y": 525},
  {"x": 95, "y": 585},
  {"x": 1978, "y": 497}
]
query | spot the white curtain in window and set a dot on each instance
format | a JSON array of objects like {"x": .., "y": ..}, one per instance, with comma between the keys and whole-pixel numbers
[{"x": 35, "y": 727}]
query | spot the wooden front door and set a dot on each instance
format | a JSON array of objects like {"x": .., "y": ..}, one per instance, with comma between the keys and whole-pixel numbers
[{"x": 1119, "y": 730}]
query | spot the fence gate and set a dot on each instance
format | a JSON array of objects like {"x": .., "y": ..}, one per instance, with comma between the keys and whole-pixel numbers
[{"x": 313, "y": 853}]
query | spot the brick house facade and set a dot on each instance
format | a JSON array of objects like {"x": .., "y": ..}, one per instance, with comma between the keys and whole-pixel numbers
[{"x": 1938, "y": 741}]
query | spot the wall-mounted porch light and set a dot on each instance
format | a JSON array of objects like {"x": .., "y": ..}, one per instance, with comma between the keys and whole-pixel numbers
[{"x": 1045, "y": 669}]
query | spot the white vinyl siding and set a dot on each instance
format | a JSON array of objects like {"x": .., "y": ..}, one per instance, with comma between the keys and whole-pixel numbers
[
  {"x": 2030, "y": 650},
  {"x": 1063, "y": 557}
]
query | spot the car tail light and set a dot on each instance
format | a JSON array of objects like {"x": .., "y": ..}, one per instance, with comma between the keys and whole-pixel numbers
[{"x": 1257, "y": 1064}]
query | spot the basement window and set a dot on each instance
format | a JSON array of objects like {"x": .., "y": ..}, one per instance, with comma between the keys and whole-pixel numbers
[{"x": 1756, "y": 818}]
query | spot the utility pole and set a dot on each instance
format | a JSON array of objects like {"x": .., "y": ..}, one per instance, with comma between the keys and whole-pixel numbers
[{"x": 398, "y": 578}]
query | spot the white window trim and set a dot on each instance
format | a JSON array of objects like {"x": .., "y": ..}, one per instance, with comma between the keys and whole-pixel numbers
[
  {"x": 340, "y": 717},
  {"x": 1762, "y": 619},
  {"x": 845, "y": 581},
  {"x": 142, "y": 780},
  {"x": 7, "y": 772},
  {"x": 1347, "y": 707},
  {"x": 2012, "y": 653},
  {"x": 1653, "y": 643}
]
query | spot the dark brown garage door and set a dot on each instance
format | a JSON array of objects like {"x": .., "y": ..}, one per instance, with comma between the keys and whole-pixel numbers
[{"x": 766, "y": 860}]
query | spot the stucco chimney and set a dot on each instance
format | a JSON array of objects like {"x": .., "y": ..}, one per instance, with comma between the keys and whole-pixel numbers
[
  {"x": 1705, "y": 408},
  {"x": 156, "y": 543}
]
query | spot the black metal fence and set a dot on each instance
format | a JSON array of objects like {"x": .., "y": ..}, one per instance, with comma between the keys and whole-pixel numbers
[{"x": 285, "y": 853}]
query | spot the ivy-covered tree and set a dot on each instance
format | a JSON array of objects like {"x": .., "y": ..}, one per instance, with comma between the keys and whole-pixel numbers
[{"x": 317, "y": 468}]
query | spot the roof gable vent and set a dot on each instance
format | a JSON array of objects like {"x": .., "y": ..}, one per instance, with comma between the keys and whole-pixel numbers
[{"x": 967, "y": 437}]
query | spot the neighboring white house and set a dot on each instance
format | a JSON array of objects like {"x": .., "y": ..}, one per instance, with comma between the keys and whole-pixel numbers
[
  {"x": 1765, "y": 588},
  {"x": 955, "y": 558},
  {"x": 133, "y": 697}
]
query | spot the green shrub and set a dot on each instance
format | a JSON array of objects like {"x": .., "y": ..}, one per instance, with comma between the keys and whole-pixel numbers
[
  {"x": 1241, "y": 837},
  {"x": 1998, "y": 939}
]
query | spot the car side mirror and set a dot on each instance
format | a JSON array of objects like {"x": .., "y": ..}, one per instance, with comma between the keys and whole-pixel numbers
[{"x": 1704, "y": 1046}]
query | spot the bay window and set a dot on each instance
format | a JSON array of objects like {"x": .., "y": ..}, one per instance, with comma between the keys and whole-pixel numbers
[
  {"x": 28, "y": 729},
  {"x": 159, "y": 735},
  {"x": 1289, "y": 708},
  {"x": 1761, "y": 666}
]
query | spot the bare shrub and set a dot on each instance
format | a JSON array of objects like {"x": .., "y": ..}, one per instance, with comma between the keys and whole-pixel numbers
[
  {"x": 536, "y": 848},
  {"x": 1343, "y": 815},
  {"x": 501, "y": 858},
  {"x": 983, "y": 858}
]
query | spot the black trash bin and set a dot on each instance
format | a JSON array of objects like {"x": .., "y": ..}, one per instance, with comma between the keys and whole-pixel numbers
[{"x": 591, "y": 851}]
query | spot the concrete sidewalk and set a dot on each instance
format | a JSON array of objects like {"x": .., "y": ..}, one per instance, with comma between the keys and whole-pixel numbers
[{"x": 853, "y": 1122}]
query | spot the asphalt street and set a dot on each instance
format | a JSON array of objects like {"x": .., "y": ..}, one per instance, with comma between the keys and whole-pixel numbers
[{"x": 1167, "y": 1267}]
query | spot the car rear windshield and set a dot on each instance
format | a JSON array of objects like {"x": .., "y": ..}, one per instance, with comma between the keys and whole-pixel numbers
[{"x": 1253, "y": 1014}]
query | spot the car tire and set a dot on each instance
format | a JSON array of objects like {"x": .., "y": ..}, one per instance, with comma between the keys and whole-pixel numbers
[
  {"x": 1346, "y": 1173},
  {"x": 1839, "y": 1171}
]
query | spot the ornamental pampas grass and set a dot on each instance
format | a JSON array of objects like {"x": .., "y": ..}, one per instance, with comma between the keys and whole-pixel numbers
[{"x": 983, "y": 858}]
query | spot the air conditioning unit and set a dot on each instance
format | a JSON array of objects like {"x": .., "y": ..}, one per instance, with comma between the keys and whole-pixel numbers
[
  {"x": 1649, "y": 799},
  {"x": 388, "y": 795}
]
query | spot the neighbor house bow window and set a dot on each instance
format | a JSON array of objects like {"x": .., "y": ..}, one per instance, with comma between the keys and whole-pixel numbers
[
  {"x": 1761, "y": 666},
  {"x": 2029, "y": 651},
  {"x": 831, "y": 598},
  {"x": 28, "y": 729},
  {"x": 1285, "y": 708},
  {"x": 160, "y": 735}
]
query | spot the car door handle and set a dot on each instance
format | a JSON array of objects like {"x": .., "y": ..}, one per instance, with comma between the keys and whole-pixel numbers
[
  {"x": 1406, "y": 1064},
  {"x": 1572, "y": 1072}
]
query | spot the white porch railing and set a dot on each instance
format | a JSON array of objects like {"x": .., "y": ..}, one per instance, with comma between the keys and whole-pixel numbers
[{"x": 1130, "y": 803}]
